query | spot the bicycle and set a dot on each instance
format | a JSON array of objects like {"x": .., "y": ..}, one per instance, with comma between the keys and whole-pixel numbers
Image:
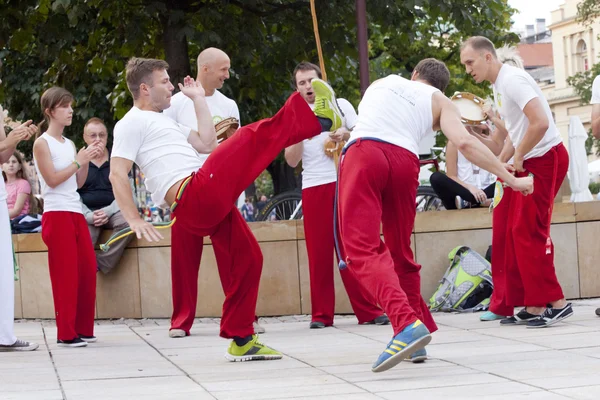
[{"x": 288, "y": 205}]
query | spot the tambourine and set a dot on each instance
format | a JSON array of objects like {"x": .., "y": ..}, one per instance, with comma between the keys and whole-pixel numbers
[
  {"x": 470, "y": 107},
  {"x": 226, "y": 128}
]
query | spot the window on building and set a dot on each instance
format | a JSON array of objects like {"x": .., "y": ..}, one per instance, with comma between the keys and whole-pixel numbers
[{"x": 581, "y": 55}]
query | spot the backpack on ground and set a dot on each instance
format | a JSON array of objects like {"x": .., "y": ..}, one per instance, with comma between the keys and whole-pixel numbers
[{"x": 467, "y": 284}]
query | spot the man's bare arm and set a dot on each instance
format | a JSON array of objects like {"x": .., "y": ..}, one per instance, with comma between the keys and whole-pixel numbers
[
  {"x": 449, "y": 120},
  {"x": 538, "y": 125},
  {"x": 293, "y": 154},
  {"x": 596, "y": 120}
]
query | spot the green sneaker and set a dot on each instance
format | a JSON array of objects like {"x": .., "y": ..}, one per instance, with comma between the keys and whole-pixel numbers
[
  {"x": 251, "y": 351},
  {"x": 326, "y": 104}
]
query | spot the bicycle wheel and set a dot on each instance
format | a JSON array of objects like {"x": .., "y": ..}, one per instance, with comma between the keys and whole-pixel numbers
[
  {"x": 428, "y": 200},
  {"x": 282, "y": 207}
]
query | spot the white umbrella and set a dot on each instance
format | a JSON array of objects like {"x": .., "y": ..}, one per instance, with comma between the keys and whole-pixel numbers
[{"x": 578, "y": 166}]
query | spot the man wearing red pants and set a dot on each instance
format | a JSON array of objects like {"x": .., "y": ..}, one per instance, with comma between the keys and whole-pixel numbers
[
  {"x": 318, "y": 197},
  {"x": 377, "y": 184},
  {"x": 203, "y": 196},
  {"x": 523, "y": 252},
  {"x": 213, "y": 70}
]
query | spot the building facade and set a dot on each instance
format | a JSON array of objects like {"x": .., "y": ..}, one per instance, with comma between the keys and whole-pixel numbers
[{"x": 575, "y": 48}]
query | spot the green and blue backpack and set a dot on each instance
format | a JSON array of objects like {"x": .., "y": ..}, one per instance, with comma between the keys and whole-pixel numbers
[{"x": 467, "y": 284}]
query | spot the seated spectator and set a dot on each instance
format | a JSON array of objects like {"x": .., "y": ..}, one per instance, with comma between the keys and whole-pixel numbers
[
  {"x": 99, "y": 206},
  {"x": 19, "y": 198},
  {"x": 464, "y": 185},
  {"x": 248, "y": 210},
  {"x": 261, "y": 203}
]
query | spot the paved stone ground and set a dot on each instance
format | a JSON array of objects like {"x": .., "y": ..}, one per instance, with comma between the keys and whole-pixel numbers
[{"x": 135, "y": 359}]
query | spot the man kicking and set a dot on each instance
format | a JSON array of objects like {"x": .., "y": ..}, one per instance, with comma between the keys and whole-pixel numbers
[
  {"x": 203, "y": 197},
  {"x": 378, "y": 184},
  {"x": 213, "y": 70},
  {"x": 523, "y": 252}
]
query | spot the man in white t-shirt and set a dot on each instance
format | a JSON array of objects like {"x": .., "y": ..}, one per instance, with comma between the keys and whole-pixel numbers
[
  {"x": 595, "y": 102},
  {"x": 378, "y": 179},
  {"x": 319, "y": 178},
  {"x": 523, "y": 252},
  {"x": 213, "y": 70},
  {"x": 201, "y": 194}
]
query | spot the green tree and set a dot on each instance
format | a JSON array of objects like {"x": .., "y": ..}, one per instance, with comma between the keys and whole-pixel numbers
[
  {"x": 84, "y": 46},
  {"x": 587, "y": 12}
]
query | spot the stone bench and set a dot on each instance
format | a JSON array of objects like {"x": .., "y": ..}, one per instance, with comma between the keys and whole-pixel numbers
[{"x": 140, "y": 287}]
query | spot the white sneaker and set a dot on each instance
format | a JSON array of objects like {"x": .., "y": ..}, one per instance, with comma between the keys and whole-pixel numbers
[
  {"x": 19, "y": 345},
  {"x": 258, "y": 328},
  {"x": 177, "y": 333}
]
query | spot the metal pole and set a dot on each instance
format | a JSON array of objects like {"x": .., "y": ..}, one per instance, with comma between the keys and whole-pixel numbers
[{"x": 363, "y": 48}]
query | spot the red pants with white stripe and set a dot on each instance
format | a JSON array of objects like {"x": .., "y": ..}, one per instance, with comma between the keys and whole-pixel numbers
[
  {"x": 317, "y": 209},
  {"x": 72, "y": 265},
  {"x": 378, "y": 184},
  {"x": 522, "y": 251},
  {"x": 207, "y": 208}
]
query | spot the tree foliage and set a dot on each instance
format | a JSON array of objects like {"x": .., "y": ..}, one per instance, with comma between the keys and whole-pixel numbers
[{"x": 84, "y": 46}]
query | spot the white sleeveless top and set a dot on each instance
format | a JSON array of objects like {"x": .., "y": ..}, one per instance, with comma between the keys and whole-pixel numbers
[
  {"x": 397, "y": 111},
  {"x": 63, "y": 197},
  {"x": 472, "y": 174}
]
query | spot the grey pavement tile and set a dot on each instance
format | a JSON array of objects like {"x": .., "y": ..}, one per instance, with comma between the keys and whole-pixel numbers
[
  {"x": 118, "y": 370},
  {"x": 312, "y": 391},
  {"x": 584, "y": 377},
  {"x": 504, "y": 390},
  {"x": 134, "y": 388},
  {"x": 388, "y": 382},
  {"x": 581, "y": 393},
  {"x": 267, "y": 383},
  {"x": 253, "y": 374},
  {"x": 32, "y": 395}
]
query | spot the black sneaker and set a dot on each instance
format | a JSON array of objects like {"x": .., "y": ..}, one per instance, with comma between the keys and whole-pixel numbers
[
  {"x": 520, "y": 318},
  {"x": 317, "y": 325},
  {"x": 381, "y": 320},
  {"x": 88, "y": 339},
  {"x": 598, "y": 312},
  {"x": 77, "y": 342},
  {"x": 551, "y": 316}
]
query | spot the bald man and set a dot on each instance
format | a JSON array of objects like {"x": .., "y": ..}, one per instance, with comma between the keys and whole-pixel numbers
[{"x": 213, "y": 71}]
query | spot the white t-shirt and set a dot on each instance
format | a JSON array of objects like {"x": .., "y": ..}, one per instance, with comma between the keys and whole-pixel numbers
[
  {"x": 596, "y": 91},
  {"x": 513, "y": 89},
  {"x": 317, "y": 167},
  {"x": 472, "y": 174},
  {"x": 63, "y": 197},
  {"x": 159, "y": 146},
  {"x": 182, "y": 110},
  {"x": 397, "y": 111}
]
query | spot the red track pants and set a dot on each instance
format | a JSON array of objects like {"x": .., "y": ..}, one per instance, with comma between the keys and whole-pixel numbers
[
  {"x": 378, "y": 184},
  {"x": 522, "y": 251},
  {"x": 317, "y": 208},
  {"x": 207, "y": 208},
  {"x": 72, "y": 264}
]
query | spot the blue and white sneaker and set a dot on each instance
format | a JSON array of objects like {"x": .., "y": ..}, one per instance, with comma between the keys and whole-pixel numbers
[
  {"x": 418, "y": 356},
  {"x": 412, "y": 339}
]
